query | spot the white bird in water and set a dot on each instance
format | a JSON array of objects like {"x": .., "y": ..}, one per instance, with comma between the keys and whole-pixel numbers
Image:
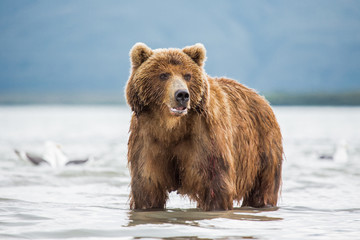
[
  {"x": 340, "y": 155},
  {"x": 52, "y": 155}
]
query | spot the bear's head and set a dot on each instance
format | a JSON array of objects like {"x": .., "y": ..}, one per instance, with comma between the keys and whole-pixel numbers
[{"x": 168, "y": 80}]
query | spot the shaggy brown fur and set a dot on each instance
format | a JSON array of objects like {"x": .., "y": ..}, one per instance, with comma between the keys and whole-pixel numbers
[{"x": 220, "y": 145}]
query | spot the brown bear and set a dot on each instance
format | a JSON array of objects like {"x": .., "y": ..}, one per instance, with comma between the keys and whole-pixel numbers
[{"x": 211, "y": 139}]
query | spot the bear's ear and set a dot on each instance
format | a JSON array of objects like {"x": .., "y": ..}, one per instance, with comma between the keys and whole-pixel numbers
[
  {"x": 139, "y": 54},
  {"x": 197, "y": 53}
]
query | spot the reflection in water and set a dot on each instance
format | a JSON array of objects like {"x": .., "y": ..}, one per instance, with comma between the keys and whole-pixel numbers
[{"x": 192, "y": 216}]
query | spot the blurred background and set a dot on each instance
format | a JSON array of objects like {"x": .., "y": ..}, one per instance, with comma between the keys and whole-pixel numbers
[{"x": 293, "y": 52}]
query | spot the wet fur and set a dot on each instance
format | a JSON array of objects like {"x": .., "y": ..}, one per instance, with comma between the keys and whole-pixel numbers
[{"x": 227, "y": 147}]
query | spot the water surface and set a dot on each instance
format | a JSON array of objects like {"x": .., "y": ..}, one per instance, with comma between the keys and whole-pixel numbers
[{"x": 320, "y": 198}]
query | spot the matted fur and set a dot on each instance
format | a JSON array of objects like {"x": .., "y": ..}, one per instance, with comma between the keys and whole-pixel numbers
[{"x": 227, "y": 147}]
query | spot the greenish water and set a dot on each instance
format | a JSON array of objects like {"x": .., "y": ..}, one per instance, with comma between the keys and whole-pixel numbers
[{"x": 320, "y": 197}]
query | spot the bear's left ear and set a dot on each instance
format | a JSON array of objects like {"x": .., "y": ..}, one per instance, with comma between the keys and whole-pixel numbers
[
  {"x": 197, "y": 53},
  {"x": 139, "y": 54}
]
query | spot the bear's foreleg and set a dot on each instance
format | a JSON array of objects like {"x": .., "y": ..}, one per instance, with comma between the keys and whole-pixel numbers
[
  {"x": 218, "y": 192},
  {"x": 148, "y": 178},
  {"x": 209, "y": 183},
  {"x": 146, "y": 194}
]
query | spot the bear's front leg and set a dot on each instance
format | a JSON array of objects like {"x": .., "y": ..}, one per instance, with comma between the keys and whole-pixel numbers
[
  {"x": 218, "y": 192},
  {"x": 208, "y": 181},
  {"x": 148, "y": 179},
  {"x": 146, "y": 194}
]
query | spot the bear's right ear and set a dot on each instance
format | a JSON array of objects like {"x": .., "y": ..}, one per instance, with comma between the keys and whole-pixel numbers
[{"x": 139, "y": 54}]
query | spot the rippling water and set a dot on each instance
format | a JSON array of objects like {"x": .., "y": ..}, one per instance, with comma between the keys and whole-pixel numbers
[{"x": 320, "y": 198}]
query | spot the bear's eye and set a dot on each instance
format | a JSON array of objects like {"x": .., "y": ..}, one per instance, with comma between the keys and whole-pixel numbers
[
  {"x": 164, "y": 76},
  {"x": 187, "y": 77}
]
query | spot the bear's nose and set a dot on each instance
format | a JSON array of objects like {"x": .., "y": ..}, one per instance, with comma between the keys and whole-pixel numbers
[{"x": 182, "y": 96}]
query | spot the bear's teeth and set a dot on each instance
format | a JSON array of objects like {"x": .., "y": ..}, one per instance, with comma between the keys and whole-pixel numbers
[{"x": 178, "y": 110}]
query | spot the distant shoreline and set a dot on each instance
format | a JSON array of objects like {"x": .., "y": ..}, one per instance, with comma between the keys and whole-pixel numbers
[
  {"x": 275, "y": 99},
  {"x": 315, "y": 99}
]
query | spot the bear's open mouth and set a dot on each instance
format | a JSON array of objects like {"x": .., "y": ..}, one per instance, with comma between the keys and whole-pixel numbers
[{"x": 178, "y": 110}]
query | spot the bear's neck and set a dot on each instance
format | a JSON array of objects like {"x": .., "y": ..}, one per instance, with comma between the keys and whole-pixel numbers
[{"x": 162, "y": 127}]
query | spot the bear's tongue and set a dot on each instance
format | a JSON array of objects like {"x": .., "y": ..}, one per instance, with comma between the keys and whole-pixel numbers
[{"x": 180, "y": 108}]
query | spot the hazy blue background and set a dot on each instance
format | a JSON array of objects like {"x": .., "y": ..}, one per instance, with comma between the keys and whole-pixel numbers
[{"x": 74, "y": 47}]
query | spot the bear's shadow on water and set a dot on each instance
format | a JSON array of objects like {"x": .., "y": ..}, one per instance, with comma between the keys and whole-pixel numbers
[{"x": 192, "y": 216}]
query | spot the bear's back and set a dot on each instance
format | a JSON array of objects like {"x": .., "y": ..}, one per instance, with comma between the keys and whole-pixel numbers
[{"x": 249, "y": 105}]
